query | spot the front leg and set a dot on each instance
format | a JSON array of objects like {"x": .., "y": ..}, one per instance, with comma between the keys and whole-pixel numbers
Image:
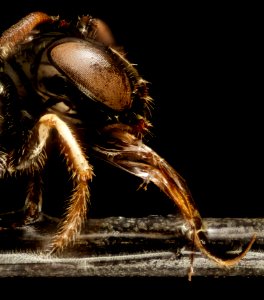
[
  {"x": 31, "y": 158},
  {"x": 33, "y": 203}
]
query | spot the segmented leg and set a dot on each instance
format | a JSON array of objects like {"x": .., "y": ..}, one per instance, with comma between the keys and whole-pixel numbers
[
  {"x": 33, "y": 203},
  {"x": 125, "y": 151},
  {"x": 77, "y": 164}
]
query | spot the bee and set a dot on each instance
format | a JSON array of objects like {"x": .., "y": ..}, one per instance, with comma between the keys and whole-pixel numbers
[{"x": 70, "y": 80}]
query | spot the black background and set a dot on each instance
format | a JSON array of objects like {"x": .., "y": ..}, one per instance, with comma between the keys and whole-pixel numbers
[{"x": 203, "y": 63}]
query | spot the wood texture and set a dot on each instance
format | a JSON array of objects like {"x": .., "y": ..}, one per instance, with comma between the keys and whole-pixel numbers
[{"x": 155, "y": 246}]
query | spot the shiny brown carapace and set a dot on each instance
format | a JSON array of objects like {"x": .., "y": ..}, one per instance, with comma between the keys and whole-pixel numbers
[{"x": 71, "y": 78}]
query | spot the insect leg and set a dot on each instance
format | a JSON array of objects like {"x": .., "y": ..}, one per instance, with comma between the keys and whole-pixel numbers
[
  {"x": 130, "y": 154},
  {"x": 77, "y": 165},
  {"x": 33, "y": 203}
]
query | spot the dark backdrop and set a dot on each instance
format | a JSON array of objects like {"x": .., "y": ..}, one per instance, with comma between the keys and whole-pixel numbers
[{"x": 203, "y": 63}]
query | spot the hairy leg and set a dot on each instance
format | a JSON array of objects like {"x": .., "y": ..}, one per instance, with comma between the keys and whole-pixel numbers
[
  {"x": 129, "y": 153},
  {"x": 33, "y": 203},
  {"x": 31, "y": 159}
]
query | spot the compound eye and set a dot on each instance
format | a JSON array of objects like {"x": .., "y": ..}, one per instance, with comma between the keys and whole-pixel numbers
[{"x": 95, "y": 70}]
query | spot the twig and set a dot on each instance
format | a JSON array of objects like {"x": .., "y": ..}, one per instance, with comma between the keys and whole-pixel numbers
[{"x": 155, "y": 246}]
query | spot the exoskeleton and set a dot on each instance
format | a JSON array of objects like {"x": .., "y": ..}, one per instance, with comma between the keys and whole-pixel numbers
[{"x": 71, "y": 79}]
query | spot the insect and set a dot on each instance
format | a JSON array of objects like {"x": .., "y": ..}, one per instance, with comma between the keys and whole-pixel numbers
[{"x": 70, "y": 81}]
